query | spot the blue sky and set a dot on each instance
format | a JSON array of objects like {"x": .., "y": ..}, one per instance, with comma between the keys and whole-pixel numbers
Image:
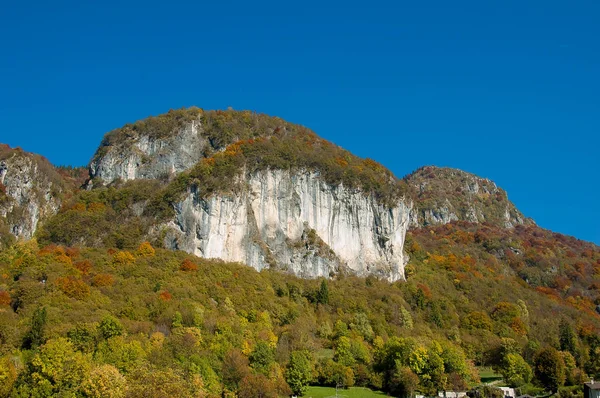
[{"x": 507, "y": 90}]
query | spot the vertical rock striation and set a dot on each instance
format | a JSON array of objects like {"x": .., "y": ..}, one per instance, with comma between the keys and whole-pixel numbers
[
  {"x": 295, "y": 220},
  {"x": 30, "y": 191}
]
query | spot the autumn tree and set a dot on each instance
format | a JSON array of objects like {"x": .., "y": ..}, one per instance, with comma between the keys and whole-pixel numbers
[
  {"x": 299, "y": 371},
  {"x": 35, "y": 336},
  {"x": 550, "y": 369}
]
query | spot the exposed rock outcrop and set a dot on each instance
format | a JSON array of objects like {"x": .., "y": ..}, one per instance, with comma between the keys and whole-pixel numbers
[
  {"x": 144, "y": 156},
  {"x": 30, "y": 191},
  {"x": 442, "y": 195},
  {"x": 297, "y": 221}
]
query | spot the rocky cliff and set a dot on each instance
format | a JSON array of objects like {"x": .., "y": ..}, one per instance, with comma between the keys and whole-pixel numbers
[
  {"x": 143, "y": 155},
  {"x": 247, "y": 187},
  {"x": 30, "y": 191},
  {"x": 442, "y": 195},
  {"x": 297, "y": 221},
  {"x": 160, "y": 147}
]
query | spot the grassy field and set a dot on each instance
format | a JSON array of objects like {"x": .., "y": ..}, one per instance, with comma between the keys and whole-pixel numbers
[
  {"x": 352, "y": 392},
  {"x": 488, "y": 375}
]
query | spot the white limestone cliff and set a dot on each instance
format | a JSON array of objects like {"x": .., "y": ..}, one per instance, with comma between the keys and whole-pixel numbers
[
  {"x": 145, "y": 157},
  {"x": 298, "y": 221},
  {"x": 31, "y": 192}
]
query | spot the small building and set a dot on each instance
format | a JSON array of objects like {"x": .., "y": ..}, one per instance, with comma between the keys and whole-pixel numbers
[
  {"x": 452, "y": 394},
  {"x": 591, "y": 390},
  {"x": 509, "y": 392}
]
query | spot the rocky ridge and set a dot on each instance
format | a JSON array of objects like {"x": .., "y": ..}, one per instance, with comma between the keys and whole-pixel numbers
[
  {"x": 442, "y": 195},
  {"x": 255, "y": 189},
  {"x": 31, "y": 191}
]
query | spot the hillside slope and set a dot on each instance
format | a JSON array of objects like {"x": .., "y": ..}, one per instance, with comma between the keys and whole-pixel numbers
[{"x": 93, "y": 305}]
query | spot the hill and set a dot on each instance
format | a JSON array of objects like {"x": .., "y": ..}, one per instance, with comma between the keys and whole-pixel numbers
[{"x": 136, "y": 282}]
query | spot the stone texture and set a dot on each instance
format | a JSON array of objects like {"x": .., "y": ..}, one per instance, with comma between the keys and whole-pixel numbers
[
  {"x": 32, "y": 192},
  {"x": 271, "y": 219},
  {"x": 144, "y": 157}
]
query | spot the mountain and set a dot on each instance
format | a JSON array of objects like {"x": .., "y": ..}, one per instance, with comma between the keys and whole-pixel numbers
[
  {"x": 246, "y": 187},
  {"x": 138, "y": 276}
]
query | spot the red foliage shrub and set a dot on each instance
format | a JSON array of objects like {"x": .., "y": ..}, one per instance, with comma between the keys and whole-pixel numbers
[
  {"x": 73, "y": 287},
  {"x": 165, "y": 295},
  {"x": 72, "y": 252},
  {"x": 101, "y": 280},
  {"x": 425, "y": 289},
  {"x": 83, "y": 266},
  {"x": 4, "y": 298},
  {"x": 187, "y": 265}
]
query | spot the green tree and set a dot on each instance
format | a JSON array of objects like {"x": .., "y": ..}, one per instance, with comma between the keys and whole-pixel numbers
[
  {"x": 515, "y": 370},
  {"x": 56, "y": 368},
  {"x": 124, "y": 355},
  {"x": 550, "y": 369},
  {"x": 262, "y": 357},
  {"x": 343, "y": 353},
  {"x": 110, "y": 327},
  {"x": 567, "y": 337},
  {"x": 323, "y": 293},
  {"x": 299, "y": 371},
  {"x": 35, "y": 336},
  {"x": 177, "y": 320}
]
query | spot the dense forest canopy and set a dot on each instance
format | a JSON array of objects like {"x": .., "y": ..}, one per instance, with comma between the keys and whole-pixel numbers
[{"x": 124, "y": 317}]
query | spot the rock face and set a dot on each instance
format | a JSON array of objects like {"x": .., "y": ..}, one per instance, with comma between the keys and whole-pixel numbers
[
  {"x": 443, "y": 195},
  {"x": 297, "y": 221},
  {"x": 143, "y": 156},
  {"x": 30, "y": 191}
]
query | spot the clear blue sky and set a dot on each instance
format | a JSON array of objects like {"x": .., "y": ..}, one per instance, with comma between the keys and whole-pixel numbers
[{"x": 509, "y": 90}]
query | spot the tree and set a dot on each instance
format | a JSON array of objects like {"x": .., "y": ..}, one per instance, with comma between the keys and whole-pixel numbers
[
  {"x": 515, "y": 370},
  {"x": 323, "y": 293},
  {"x": 299, "y": 371},
  {"x": 257, "y": 386},
  {"x": 343, "y": 353},
  {"x": 110, "y": 327},
  {"x": 56, "y": 368},
  {"x": 403, "y": 382},
  {"x": 550, "y": 369},
  {"x": 261, "y": 357},
  {"x": 105, "y": 381},
  {"x": 235, "y": 368},
  {"x": 567, "y": 337},
  {"x": 35, "y": 336},
  {"x": 8, "y": 376},
  {"x": 149, "y": 382},
  {"x": 124, "y": 355}
]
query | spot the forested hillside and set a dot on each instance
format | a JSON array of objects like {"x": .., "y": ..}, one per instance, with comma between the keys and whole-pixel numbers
[
  {"x": 98, "y": 322},
  {"x": 93, "y": 305}
]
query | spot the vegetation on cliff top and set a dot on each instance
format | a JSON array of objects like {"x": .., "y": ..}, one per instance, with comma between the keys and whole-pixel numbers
[{"x": 468, "y": 196}]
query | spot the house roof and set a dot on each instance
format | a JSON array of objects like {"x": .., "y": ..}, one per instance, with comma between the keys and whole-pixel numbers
[{"x": 593, "y": 385}]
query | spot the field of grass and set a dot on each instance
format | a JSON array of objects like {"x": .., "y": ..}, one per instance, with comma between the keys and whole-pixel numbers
[
  {"x": 352, "y": 392},
  {"x": 488, "y": 375}
]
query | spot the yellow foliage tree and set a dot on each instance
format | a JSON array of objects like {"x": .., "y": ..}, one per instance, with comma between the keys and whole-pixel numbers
[
  {"x": 105, "y": 381},
  {"x": 146, "y": 250}
]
